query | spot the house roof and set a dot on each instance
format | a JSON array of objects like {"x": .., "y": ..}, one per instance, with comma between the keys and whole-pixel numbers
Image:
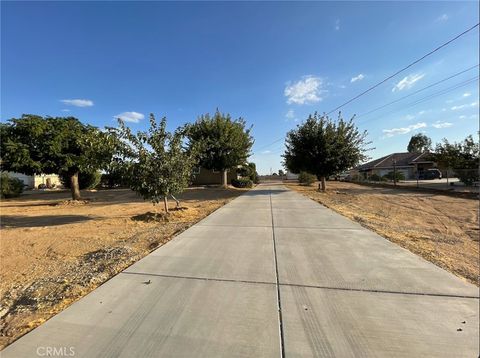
[{"x": 401, "y": 160}]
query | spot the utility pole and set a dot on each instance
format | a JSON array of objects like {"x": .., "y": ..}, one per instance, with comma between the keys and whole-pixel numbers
[
  {"x": 417, "y": 174},
  {"x": 394, "y": 172}
]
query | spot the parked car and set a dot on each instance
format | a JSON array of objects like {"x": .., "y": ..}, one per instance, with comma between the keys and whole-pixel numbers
[
  {"x": 430, "y": 174},
  {"x": 341, "y": 176}
]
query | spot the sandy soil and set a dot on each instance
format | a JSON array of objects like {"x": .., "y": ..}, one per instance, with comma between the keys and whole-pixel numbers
[
  {"x": 53, "y": 252},
  {"x": 443, "y": 229}
]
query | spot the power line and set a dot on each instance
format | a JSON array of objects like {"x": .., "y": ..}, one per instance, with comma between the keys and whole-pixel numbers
[
  {"x": 268, "y": 145},
  {"x": 427, "y": 98},
  {"x": 447, "y": 90},
  {"x": 390, "y": 77},
  {"x": 418, "y": 91},
  {"x": 405, "y": 68},
  {"x": 424, "y": 99}
]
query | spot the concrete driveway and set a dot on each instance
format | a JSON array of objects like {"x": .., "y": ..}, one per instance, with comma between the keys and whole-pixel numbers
[{"x": 270, "y": 274}]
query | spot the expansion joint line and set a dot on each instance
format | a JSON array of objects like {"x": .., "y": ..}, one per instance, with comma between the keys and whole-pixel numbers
[{"x": 277, "y": 285}]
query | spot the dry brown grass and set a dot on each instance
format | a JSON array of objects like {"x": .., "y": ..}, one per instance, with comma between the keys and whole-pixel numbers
[
  {"x": 54, "y": 251},
  {"x": 441, "y": 228}
]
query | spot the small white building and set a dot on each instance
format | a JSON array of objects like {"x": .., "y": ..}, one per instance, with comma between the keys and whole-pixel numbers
[
  {"x": 33, "y": 181},
  {"x": 291, "y": 176}
]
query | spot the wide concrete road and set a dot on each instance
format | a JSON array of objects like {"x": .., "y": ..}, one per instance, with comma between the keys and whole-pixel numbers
[{"x": 270, "y": 274}]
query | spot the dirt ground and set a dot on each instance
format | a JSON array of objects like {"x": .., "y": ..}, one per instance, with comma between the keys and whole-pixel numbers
[
  {"x": 441, "y": 228},
  {"x": 53, "y": 252}
]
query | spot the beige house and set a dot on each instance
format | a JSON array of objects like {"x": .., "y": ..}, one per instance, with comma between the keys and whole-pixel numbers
[
  {"x": 410, "y": 164},
  {"x": 203, "y": 176},
  {"x": 33, "y": 181}
]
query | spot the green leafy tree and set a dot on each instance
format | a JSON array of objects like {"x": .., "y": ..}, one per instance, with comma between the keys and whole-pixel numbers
[
  {"x": 253, "y": 173},
  {"x": 10, "y": 187},
  {"x": 157, "y": 164},
  {"x": 419, "y": 143},
  {"x": 224, "y": 143},
  {"x": 53, "y": 145},
  {"x": 462, "y": 157},
  {"x": 86, "y": 180},
  {"x": 324, "y": 147},
  {"x": 249, "y": 170},
  {"x": 113, "y": 177},
  {"x": 306, "y": 178}
]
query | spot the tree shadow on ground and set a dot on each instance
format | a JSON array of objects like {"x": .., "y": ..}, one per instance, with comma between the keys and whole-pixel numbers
[
  {"x": 264, "y": 192},
  {"x": 12, "y": 221},
  {"x": 115, "y": 196}
]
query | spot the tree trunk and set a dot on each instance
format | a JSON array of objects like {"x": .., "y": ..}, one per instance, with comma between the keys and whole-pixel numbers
[
  {"x": 224, "y": 179},
  {"x": 165, "y": 203},
  {"x": 322, "y": 186},
  {"x": 74, "y": 187},
  {"x": 176, "y": 200}
]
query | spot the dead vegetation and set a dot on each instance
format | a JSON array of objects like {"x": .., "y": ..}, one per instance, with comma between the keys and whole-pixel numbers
[
  {"x": 54, "y": 251},
  {"x": 443, "y": 229}
]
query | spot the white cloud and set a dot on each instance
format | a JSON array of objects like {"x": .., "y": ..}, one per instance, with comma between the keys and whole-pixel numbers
[
  {"x": 462, "y": 106},
  {"x": 290, "y": 114},
  {"x": 411, "y": 117},
  {"x": 65, "y": 110},
  {"x": 266, "y": 152},
  {"x": 404, "y": 130},
  {"x": 462, "y": 117},
  {"x": 443, "y": 17},
  {"x": 78, "y": 102},
  {"x": 133, "y": 117},
  {"x": 461, "y": 98},
  {"x": 444, "y": 109},
  {"x": 439, "y": 124},
  {"x": 407, "y": 82},
  {"x": 337, "y": 24},
  {"x": 307, "y": 90},
  {"x": 357, "y": 78}
]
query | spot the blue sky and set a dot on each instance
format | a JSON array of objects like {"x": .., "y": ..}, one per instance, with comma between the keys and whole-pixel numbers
[{"x": 272, "y": 63}]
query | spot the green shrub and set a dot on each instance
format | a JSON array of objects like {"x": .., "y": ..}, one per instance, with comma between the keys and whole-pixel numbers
[
  {"x": 242, "y": 183},
  {"x": 390, "y": 176},
  {"x": 86, "y": 180},
  {"x": 376, "y": 177},
  {"x": 468, "y": 176},
  {"x": 254, "y": 178},
  {"x": 249, "y": 170},
  {"x": 113, "y": 179},
  {"x": 306, "y": 178},
  {"x": 10, "y": 187}
]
